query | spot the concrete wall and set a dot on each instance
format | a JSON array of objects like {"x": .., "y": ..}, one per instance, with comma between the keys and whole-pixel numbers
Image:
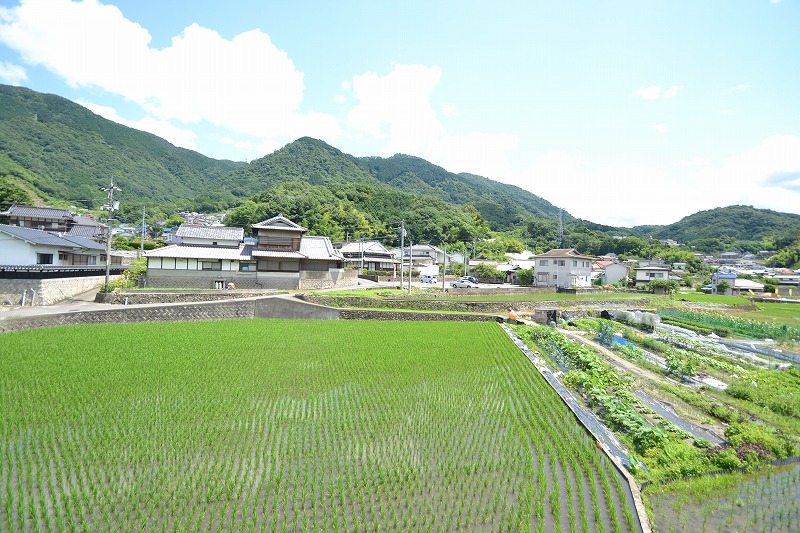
[
  {"x": 204, "y": 279},
  {"x": 267, "y": 307},
  {"x": 48, "y": 291}
]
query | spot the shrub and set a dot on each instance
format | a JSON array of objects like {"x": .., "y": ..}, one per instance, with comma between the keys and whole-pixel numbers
[{"x": 725, "y": 458}]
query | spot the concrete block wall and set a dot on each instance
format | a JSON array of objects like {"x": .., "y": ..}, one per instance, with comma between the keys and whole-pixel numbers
[{"x": 48, "y": 291}]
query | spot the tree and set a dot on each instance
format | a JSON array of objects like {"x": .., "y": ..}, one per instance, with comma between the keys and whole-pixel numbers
[
  {"x": 525, "y": 277},
  {"x": 665, "y": 286},
  {"x": 11, "y": 194},
  {"x": 722, "y": 287}
]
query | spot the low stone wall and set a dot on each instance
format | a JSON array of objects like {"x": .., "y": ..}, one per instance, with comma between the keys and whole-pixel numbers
[
  {"x": 426, "y": 304},
  {"x": 123, "y": 314},
  {"x": 47, "y": 291},
  {"x": 358, "y": 314},
  {"x": 166, "y": 297}
]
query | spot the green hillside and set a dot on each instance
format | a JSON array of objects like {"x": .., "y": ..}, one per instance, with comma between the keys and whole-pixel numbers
[
  {"x": 64, "y": 152},
  {"x": 503, "y": 205},
  {"x": 735, "y": 226},
  {"x": 56, "y": 152}
]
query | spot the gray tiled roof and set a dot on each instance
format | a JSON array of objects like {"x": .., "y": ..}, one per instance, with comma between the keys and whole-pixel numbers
[
  {"x": 319, "y": 248},
  {"x": 37, "y": 236},
  {"x": 84, "y": 231},
  {"x": 182, "y": 251},
  {"x": 39, "y": 212},
  {"x": 84, "y": 242},
  {"x": 373, "y": 247},
  {"x": 279, "y": 222},
  {"x": 564, "y": 252},
  {"x": 210, "y": 232},
  {"x": 277, "y": 254}
]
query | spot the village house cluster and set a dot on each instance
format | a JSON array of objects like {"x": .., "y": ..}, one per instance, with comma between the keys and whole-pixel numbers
[{"x": 204, "y": 254}]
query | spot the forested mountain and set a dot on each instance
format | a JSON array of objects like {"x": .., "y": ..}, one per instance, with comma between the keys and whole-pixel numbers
[
  {"x": 504, "y": 206},
  {"x": 737, "y": 226},
  {"x": 62, "y": 152},
  {"x": 56, "y": 152}
]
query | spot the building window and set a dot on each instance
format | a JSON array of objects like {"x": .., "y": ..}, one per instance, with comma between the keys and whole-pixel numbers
[
  {"x": 560, "y": 262},
  {"x": 211, "y": 265},
  {"x": 279, "y": 266},
  {"x": 92, "y": 259},
  {"x": 541, "y": 277},
  {"x": 63, "y": 256},
  {"x": 44, "y": 259},
  {"x": 247, "y": 267},
  {"x": 214, "y": 243},
  {"x": 542, "y": 262},
  {"x": 555, "y": 276},
  {"x": 574, "y": 263}
]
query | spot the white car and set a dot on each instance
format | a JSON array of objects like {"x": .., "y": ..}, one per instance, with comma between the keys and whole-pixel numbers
[{"x": 464, "y": 283}]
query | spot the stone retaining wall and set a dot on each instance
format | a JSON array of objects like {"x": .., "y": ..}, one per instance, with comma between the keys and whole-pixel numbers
[
  {"x": 357, "y": 314},
  {"x": 123, "y": 314},
  {"x": 47, "y": 291},
  {"x": 589, "y": 307},
  {"x": 158, "y": 297}
]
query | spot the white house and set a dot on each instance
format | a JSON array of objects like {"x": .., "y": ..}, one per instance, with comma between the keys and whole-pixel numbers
[
  {"x": 645, "y": 275},
  {"x": 736, "y": 284},
  {"x": 371, "y": 255},
  {"x": 609, "y": 272},
  {"x": 27, "y": 246},
  {"x": 283, "y": 257},
  {"x": 563, "y": 267}
]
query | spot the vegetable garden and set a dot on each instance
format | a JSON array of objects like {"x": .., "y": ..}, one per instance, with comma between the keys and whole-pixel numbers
[{"x": 292, "y": 425}]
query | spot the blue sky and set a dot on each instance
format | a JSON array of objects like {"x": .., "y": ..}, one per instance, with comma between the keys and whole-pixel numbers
[{"x": 622, "y": 113}]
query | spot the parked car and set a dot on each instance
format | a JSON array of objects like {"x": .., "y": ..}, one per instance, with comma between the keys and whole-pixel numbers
[
  {"x": 473, "y": 279},
  {"x": 429, "y": 279},
  {"x": 464, "y": 282}
]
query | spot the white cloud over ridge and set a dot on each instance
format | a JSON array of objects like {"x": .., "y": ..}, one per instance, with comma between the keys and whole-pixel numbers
[
  {"x": 244, "y": 84},
  {"x": 183, "y": 138},
  {"x": 767, "y": 175},
  {"x": 12, "y": 74}
]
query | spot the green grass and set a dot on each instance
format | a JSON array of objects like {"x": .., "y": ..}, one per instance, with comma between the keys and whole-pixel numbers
[
  {"x": 694, "y": 296},
  {"x": 288, "y": 425}
]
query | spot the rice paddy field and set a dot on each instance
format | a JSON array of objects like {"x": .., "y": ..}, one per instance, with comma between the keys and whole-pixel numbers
[
  {"x": 287, "y": 425},
  {"x": 754, "y": 502}
]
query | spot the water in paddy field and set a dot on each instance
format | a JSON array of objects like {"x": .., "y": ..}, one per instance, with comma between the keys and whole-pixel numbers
[{"x": 767, "y": 502}]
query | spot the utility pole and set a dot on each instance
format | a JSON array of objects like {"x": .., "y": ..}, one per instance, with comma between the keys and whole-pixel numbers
[
  {"x": 444, "y": 266},
  {"x": 111, "y": 206},
  {"x": 402, "y": 248},
  {"x": 143, "y": 230},
  {"x": 410, "y": 262},
  {"x": 362, "y": 253},
  {"x": 560, "y": 235}
]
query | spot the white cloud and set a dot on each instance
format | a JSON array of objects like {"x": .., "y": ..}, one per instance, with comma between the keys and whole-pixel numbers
[
  {"x": 244, "y": 84},
  {"x": 396, "y": 107},
  {"x": 653, "y": 92},
  {"x": 624, "y": 195},
  {"x": 449, "y": 110},
  {"x": 742, "y": 87},
  {"x": 672, "y": 91},
  {"x": 649, "y": 93},
  {"x": 485, "y": 154},
  {"x": 183, "y": 138},
  {"x": 12, "y": 74},
  {"x": 693, "y": 162},
  {"x": 661, "y": 128}
]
